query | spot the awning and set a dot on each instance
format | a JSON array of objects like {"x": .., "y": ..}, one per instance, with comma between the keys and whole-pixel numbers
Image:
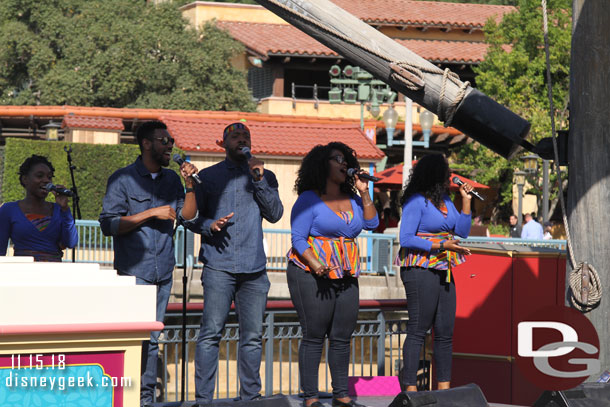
[{"x": 391, "y": 178}]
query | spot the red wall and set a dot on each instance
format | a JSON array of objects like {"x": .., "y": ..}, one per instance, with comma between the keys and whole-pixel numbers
[{"x": 495, "y": 291}]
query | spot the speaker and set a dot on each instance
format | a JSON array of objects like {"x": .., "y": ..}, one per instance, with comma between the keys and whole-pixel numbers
[
  {"x": 469, "y": 395},
  {"x": 585, "y": 395}
]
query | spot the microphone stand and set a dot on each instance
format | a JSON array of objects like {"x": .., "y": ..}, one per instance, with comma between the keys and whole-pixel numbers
[
  {"x": 75, "y": 198},
  {"x": 184, "y": 293}
]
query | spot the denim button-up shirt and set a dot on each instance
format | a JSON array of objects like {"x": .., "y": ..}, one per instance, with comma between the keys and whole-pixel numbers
[
  {"x": 228, "y": 187},
  {"x": 148, "y": 250}
]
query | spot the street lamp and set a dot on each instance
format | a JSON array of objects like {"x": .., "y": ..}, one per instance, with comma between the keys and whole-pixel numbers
[
  {"x": 354, "y": 84},
  {"x": 390, "y": 118},
  {"x": 51, "y": 130},
  {"x": 530, "y": 162},
  {"x": 426, "y": 120},
  {"x": 520, "y": 182}
]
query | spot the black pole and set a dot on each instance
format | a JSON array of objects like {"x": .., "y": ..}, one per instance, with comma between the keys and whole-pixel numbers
[
  {"x": 184, "y": 294},
  {"x": 75, "y": 198}
]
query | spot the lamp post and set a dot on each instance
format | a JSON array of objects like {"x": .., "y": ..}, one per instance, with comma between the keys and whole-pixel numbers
[
  {"x": 354, "y": 84},
  {"x": 51, "y": 130},
  {"x": 426, "y": 120},
  {"x": 520, "y": 182},
  {"x": 531, "y": 167}
]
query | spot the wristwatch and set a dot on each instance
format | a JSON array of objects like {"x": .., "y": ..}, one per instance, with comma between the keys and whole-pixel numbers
[
  {"x": 189, "y": 189},
  {"x": 442, "y": 244}
]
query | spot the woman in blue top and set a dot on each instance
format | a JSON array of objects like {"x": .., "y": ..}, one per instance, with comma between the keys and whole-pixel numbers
[
  {"x": 36, "y": 227},
  {"x": 428, "y": 253},
  {"x": 324, "y": 263}
]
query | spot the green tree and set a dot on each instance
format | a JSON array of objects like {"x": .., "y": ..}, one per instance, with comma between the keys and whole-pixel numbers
[
  {"x": 514, "y": 74},
  {"x": 115, "y": 53}
]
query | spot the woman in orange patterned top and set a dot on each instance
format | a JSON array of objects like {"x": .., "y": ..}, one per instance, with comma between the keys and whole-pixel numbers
[
  {"x": 324, "y": 263},
  {"x": 428, "y": 253},
  {"x": 36, "y": 227}
]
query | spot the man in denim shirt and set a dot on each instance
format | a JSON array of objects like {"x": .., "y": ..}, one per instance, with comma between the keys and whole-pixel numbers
[
  {"x": 139, "y": 211},
  {"x": 233, "y": 198}
]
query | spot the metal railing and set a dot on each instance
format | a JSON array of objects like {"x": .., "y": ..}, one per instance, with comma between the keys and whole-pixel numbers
[
  {"x": 376, "y": 249},
  {"x": 510, "y": 241},
  {"x": 376, "y": 348}
]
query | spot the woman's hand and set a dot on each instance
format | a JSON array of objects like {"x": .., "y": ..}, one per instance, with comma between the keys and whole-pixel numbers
[
  {"x": 465, "y": 189},
  {"x": 361, "y": 184},
  {"x": 454, "y": 246},
  {"x": 60, "y": 199},
  {"x": 323, "y": 271}
]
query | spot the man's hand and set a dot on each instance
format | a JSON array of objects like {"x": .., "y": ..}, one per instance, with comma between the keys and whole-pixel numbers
[
  {"x": 164, "y": 213},
  {"x": 219, "y": 224},
  {"x": 255, "y": 163},
  {"x": 187, "y": 170}
]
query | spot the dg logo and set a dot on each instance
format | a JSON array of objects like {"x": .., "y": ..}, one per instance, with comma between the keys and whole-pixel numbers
[{"x": 557, "y": 348}]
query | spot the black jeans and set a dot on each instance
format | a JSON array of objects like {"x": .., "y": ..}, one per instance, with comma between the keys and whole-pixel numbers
[
  {"x": 430, "y": 301},
  {"x": 325, "y": 308}
]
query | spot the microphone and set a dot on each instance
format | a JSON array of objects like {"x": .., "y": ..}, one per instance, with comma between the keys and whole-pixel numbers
[
  {"x": 354, "y": 171},
  {"x": 474, "y": 193},
  {"x": 178, "y": 160},
  {"x": 61, "y": 191},
  {"x": 248, "y": 155}
]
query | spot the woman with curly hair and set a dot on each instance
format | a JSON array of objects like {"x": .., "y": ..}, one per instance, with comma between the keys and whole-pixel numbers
[
  {"x": 36, "y": 227},
  {"x": 427, "y": 256},
  {"x": 324, "y": 263}
]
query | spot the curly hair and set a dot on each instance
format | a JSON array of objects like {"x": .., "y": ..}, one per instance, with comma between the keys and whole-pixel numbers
[
  {"x": 430, "y": 177},
  {"x": 30, "y": 162},
  {"x": 315, "y": 168}
]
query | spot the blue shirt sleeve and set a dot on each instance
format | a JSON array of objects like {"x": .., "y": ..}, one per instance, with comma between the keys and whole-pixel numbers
[
  {"x": 268, "y": 198},
  {"x": 301, "y": 220},
  {"x": 114, "y": 206},
  {"x": 5, "y": 229},
  {"x": 367, "y": 224},
  {"x": 69, "y": 234},
  {"x": 200, "y": 224},
  {"x": 412, "y": 212}
]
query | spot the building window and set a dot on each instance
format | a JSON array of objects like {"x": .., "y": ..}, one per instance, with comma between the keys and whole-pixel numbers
[{"x": 260, "y": 82}]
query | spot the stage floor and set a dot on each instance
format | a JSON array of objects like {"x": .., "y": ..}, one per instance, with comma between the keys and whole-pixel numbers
[{"x": 296, "y": 401}]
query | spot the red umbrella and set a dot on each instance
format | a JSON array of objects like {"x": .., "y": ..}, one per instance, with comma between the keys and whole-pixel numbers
[{"x": 392, "y": 178}]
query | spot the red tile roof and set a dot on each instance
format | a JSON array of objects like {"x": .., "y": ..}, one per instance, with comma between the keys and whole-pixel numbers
[
  {"x": 270, "y": 39},
  {"x": 270, "y": 138},
  {"x": 402, "y": 12},
  {"x": 92, "y": 122}
]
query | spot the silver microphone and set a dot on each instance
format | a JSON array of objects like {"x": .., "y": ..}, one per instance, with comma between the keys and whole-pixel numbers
[
  {"x": 61, "y": 191},
  {"x": 178, "y": 160},
  {"x": 474, "y": 193}
]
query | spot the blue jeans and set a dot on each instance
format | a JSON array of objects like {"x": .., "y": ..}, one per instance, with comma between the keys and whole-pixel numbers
[
  {"x": 220, "y": 289},
  {"x": 150, "y": 349},
  {"x": 431, "y": 302},
  {"x": 326, "y": 308}
]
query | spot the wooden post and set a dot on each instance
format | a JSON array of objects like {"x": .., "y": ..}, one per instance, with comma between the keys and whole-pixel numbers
[
  {"x": 476, "y": 115},
  {"x": 588, "y": 150}
]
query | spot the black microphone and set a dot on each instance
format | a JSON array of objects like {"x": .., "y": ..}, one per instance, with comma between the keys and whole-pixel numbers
[
  {"x": 178, "y": 160},
  {"x": 474, "y": 193},
  {"x": 354, "y": 171},
  {"x": 248, "y": 155},
  {"x": 61, "y": 191}
]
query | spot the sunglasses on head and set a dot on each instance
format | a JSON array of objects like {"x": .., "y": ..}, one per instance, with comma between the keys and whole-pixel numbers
[
  {"x": 165, "y": 140},
  {"x": 339, "y": 159}
]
